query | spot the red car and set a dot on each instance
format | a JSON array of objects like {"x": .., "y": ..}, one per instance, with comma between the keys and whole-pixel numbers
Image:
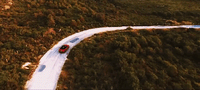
[{"x": 64, "y": 48}]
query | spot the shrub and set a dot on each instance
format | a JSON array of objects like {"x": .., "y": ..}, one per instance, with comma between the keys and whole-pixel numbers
[
  {"x": 178, "y": 51},
  {"x": 74, "y": 23},
  {"x": 187, "y": 85},
  {"x": 152, "y": 43},
  {"x": 153, "y": 77},
  {"x": 51, "y": 21},
  {"x": 158, "y": 50},
  {"x": 133, "y": 41},
  {"x": 82, "y": 19},
  {"x": 1, "y": 44},
  {"x": 188, "y": 50},
  {"x": 78, "y": 22},
  {"x": 169, "y": 55},
  {"x": 150, "y": 50},
  {"x": 143, "y": 41},
  {"x": 177, "y": 86},
  {"x": 157, "y": 40},
  {"x": 101, "y": 17},
  {"x": 148, "y": 86},
  {"x": 172, "y": 71},
  {"x": 7, "y": 45},
  {"x": 197, "y": 85}
]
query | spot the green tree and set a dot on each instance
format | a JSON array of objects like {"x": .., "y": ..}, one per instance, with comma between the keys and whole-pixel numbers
[
  {"x": 133, "y": 41},
  {"x": 188, "y": 50},
  {"x": 143, "y": 41},
  {"x": 148, "y": 86},
  {"x": 187, "y": 85},
  {"x": 150, "y": 50},
  {"x": 179, "y": 51},
  {"x": 157, "y": 40}
]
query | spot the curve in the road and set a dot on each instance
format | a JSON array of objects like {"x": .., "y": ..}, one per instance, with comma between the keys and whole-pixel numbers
[{"x": 47, "y": 73}]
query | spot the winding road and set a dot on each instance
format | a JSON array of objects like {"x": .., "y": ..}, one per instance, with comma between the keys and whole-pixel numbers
[{"x": 47, "y": 73}]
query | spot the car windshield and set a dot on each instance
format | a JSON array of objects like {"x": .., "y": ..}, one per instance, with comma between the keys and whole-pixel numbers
[{"x": 63, "y": 47}]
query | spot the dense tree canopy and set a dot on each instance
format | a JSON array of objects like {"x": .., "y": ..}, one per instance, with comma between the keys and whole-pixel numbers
[
  {"x": 28, "y": 28},
  {"x": 121, "y": 60}
]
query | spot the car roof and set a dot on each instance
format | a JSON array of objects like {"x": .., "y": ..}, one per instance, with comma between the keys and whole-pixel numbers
[{"x": 64, "y": 46}]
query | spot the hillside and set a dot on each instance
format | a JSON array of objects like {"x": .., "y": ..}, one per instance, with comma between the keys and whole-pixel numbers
[
  {"x": 132, "y": 60},
  {"x": 31, "y": 27}
]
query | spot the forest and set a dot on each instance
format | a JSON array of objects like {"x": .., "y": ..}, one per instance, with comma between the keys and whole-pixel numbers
[
  {"x": 135, "y": 60},
  {"x": 29, "y": 28}
]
